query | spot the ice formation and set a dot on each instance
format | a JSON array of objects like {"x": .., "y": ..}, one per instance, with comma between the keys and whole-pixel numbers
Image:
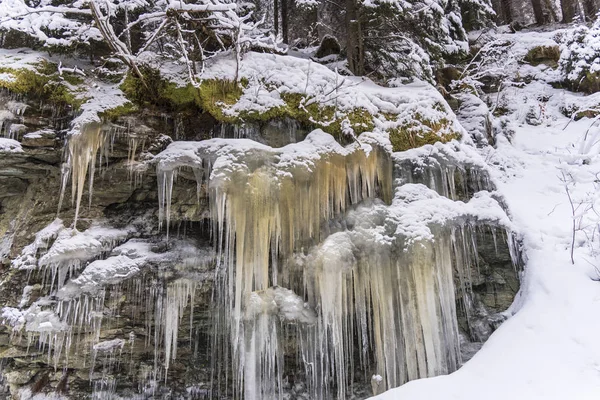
[
  {"x": 81, "y": 163},
  {"x": 90, "y": 269},
  {"x": 339, "y": 266},
  {"x": 72, "y": 249},
  {"x": 314, "y": 247}
]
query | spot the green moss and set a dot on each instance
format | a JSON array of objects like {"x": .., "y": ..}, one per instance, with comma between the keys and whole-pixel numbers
[
  {"x": 299, "y": 108},
  {"x": 548, "y": 55},
  {"x": 72, "y": 79},
  {"x": 500, "y": 111},
  {"x": 361, "y": 120},
  {"x": 215, "y": 95},
  {"x": 590, "y": 83},
  {"x": 212, "y": 95},
  {"x": 120, "y": 111},
  {"x": 421, "y": 132},
  {"x": 42, "y": 83},
  {"x": 147, "y": 92},
  {"x": 45, "y": 67}
]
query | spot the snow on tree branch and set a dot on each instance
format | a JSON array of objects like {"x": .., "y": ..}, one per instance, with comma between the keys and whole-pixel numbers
[{"x": 185, "y": 31}]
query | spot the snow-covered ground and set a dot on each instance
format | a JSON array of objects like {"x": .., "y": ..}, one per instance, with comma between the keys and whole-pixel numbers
[{"x": 550, "y": 348}]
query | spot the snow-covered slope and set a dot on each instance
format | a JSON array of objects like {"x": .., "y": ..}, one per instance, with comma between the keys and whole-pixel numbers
[{"x": 550, "y": 349}]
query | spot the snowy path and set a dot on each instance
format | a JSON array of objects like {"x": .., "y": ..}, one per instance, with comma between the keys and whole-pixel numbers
[{"x": 550, "y": 349}]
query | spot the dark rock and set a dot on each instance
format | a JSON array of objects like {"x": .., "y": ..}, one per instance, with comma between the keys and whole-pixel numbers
[{"x": 329, "y": 46}]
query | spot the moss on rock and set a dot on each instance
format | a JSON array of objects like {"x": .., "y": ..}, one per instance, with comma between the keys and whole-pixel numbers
[
  {"x": 113, "y": 114},
  {"x": 216, "y": 97},
  {"x": 43, "y": 83},
  {"x": 548, "y": 55},
  {"x": 420, "y": 132}
]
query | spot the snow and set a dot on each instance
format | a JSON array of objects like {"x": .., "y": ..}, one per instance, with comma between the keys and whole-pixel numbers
[
  {"x": 100, "y": 97},
  {"x": 7, "y": 77},
  {"x": 19, "y": 59},
  {"x": 102, "y": 272},
  {"x": 227, "y": 154},
  {"x": 10, "y": 146},
  {"x": 579, "y": 52},
  {"x": 269, "y": 76},
  {"x": 282, "y": 302},
  {"x": 82, "y": 246},
  {"x": 97, "y": 97},
  {"x": 12, "y": 316},
  {"x": 126, "y": 261},
  {"x": 26, "y": 394},
  {"x": 549, "y": 348},
  {"x": 28, "y": 257},
  {"x": 36, "y": 134},
  {"x": 17, "y": 15},
  {"x": 109, "y": 345}
]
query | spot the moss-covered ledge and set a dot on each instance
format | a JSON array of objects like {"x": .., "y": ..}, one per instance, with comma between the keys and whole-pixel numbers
[
  {"x": 43, "y": 82},
  {"x": 217, "y": 96}
]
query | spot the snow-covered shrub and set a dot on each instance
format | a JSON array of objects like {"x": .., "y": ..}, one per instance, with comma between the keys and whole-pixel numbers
[
  {"x": 580, "y": 58},
  {"x": 488, "y": 68}
]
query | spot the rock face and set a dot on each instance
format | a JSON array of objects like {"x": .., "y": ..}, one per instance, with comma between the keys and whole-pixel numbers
[{"x": 112, "y": 309}]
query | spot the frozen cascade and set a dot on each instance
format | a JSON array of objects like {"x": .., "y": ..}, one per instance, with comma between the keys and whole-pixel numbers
[
  {"x": 327, "y": 278},
  {"x": 109, "y": 350},
  {"x": 71, "y": 250},
  {"x": 88, "y": 149},
  {"x": 385, "y": 288},
  {"x": 267, "y": 203},
  {"x": 383, "y": 295},
  {"x": 265, "y": 313},
  {"x": 67, "y": 324},
  {"x": 445, "y": 169}
]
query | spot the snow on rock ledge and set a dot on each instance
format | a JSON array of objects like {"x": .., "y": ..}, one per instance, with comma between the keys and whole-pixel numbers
[{"x": 10, "y": 146}]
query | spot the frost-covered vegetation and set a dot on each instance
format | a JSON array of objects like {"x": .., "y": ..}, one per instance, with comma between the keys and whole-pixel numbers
[{"x": 580, "y": 58}]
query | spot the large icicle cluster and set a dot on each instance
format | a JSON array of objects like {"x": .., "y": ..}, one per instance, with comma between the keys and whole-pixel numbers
[
  {"x": 266, "y": 204},
  {"x": 315, "y": 254}
]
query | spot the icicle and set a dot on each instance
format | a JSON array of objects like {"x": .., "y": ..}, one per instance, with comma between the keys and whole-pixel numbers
[
  {"x": 165, "y": 191},
  {"x": 81, "y": 160},
  {"x": 176, "y": 302}
]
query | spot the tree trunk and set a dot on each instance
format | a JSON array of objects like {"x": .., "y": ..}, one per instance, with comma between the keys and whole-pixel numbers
[
  {"x": 551, "y": 12},
  {"x": 550, "y": 7},
  {"x": 354, "y": 47},
  {"x": 276, "y": 17},
  {"x": 284, "y": 21},
  {"x": 504, "y": 13},
  {"x": 591, "y": 9},
  {"x": 541, "y": 15},
  {"x": 569, "y": 10}
]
